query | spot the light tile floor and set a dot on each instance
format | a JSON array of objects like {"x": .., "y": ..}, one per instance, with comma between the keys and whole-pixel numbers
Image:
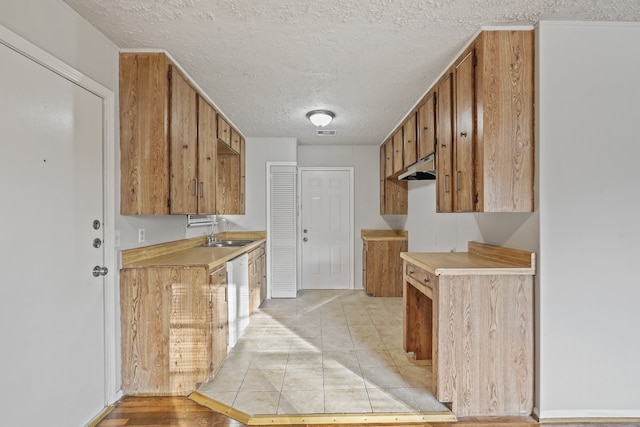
[{"x": 324, "y": 352}]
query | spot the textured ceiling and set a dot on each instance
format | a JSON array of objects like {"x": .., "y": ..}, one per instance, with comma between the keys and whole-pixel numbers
[{"x": 267, "y": 63}]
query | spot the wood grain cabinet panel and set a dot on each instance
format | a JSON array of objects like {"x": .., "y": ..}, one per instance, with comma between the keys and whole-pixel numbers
[
  {"x": 398, "y": 152},
  {"x": 207, "y": 157},
  {"x": 444, "y": 149}
]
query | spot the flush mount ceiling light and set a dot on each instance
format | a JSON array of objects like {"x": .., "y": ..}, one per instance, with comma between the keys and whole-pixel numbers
[{"x": 320, "y": 118}]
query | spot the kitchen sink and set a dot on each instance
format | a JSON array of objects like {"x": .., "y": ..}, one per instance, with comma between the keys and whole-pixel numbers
[{"x": 227, "y": 243}]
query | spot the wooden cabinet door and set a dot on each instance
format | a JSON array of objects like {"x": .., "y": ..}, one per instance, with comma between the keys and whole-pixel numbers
[
  {"x": 184, "y": 146},
  {"x": 262, "y": 268},
  {"x": 243, "y": 160},
  {"x": 409, "y": 140},
  {"x": 224, "y": 131},
  {"x": 235, "y": 141},
  {"x": 426, "y": 126},
  {"x": 388, "y": 150},
  {"x": 444, "y": 157},
  {"x": 382, "y": 177},
  {"x": 219, "y": 329},
  {"x": 206, "y": 158},
  {"x": 398, "y": 156},
  {"x": 464, "y": 136},
  {"x": 144, "y": 95}
]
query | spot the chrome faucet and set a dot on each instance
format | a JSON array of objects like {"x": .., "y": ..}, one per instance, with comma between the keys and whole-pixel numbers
[{"x": 213, "y": 237}]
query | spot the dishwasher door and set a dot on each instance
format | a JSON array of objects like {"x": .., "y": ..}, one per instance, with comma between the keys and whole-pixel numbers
[{"x": 238, "y": 297}]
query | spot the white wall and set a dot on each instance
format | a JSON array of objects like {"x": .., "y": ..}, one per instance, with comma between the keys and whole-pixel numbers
[
  {"x": 436, "y": 232},
  {"x": 589, "y": 200},
  {"x": 365, "y": 162}
]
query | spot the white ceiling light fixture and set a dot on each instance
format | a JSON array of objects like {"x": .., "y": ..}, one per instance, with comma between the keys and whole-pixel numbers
[{"x": 320, "y": 118}]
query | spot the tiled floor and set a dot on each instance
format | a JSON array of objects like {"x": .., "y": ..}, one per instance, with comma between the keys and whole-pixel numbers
[{"x": 324, "y": 352}]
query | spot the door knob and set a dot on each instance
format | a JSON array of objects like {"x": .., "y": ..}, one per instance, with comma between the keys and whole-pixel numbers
[{"x": 100, "y": 271}]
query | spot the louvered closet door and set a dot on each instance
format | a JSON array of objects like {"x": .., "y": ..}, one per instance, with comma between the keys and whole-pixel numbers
[{"x": 282, "y": 230}]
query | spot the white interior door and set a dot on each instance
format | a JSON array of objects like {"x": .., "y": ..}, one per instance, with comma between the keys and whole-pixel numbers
[
  {"x": 326, "y": 224},
  {"x": 52, "y": 317}
]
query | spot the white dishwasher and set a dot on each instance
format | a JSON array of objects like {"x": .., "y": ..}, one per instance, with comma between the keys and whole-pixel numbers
[{"x": 237, "y": 297}]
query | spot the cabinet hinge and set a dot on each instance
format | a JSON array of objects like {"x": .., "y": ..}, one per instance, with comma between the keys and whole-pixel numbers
[
  {"x": 475, "y": 199},
  {"x": 169, "y": 74},
  {"x": 168, "y": 203},
  {"x": 435, "y": 97},
  {"x": 474, "y": 61}
]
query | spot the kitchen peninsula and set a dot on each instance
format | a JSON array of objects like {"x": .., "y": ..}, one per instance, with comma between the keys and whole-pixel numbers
[{"x": 471, "y": 313}]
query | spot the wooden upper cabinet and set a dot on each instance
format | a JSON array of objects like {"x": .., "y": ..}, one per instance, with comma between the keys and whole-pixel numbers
[
  {"x": 184, "y": 145},
  {"x": 504, "y": 101},
  {"x": 409, "y": 137},
  {"x": 444, "y": 150},
  {"x": 207, "y": 142},
  {"x": 464, "y": 136},
  {"x": 224, "y": 131},
  {"x": 144, "y": 134},
  {"x": 398, "y": 156},
  {"x": 169, "y": 142},
  {"x": 426, "y": 126},
  {"x": 486, "y": 162}
]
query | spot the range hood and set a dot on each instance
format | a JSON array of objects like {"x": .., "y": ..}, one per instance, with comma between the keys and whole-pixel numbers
[{"x": 421, "y": 170}]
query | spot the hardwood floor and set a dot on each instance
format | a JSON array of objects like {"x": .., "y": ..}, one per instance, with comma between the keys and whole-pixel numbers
[{"x": 182, "y": 412}]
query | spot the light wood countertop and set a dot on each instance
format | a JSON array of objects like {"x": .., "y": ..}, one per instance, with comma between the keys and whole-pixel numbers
[
  {"x": 190, "y": 253},
  {"x": 384, "y": 234},
  {"x": 481, "y": 259}
]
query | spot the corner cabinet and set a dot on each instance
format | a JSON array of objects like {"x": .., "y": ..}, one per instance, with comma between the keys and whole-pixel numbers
[{"x": 169, "y": 141}]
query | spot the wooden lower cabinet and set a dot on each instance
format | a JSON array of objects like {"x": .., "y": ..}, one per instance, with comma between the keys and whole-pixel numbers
[
  {"x": 381, "y": 263},
  {"x": 257, "y": 278},
  {"x": 477, "y": 328},
  {"x": 168, "y": 315}
]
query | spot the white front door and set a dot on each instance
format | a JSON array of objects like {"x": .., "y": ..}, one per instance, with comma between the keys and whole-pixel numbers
[
  {"x": 52, "y": 317},
  {"x": 326, "y": 224}
]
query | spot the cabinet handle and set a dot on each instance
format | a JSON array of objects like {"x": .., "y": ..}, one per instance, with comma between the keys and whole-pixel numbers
[
  {"x": 463, "y": 134},
  {"x": 195, "y": 187},
  {"x": 457, "y": 180},
  {"x": 202, "y": 189},
  {"x": 426, "y": 280},
  {"x": 446, "y": 183},
  {"x": 443, "y": 145},
  {"x": 410, "y": 272},
  {"x": 426, "y": 128}
]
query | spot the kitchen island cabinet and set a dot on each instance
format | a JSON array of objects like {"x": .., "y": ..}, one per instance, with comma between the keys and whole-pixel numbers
[
  {"x": 381, "y": 263},
  {"x": 472, "y": 315}
]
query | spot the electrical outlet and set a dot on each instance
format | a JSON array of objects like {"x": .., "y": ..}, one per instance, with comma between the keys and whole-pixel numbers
[
  {"x": 141, "y": 235},
  {"x": 116, "y": 239}
]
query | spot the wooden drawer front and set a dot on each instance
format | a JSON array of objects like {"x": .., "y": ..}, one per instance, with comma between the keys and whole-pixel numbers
[{"x": 421, "y": 276}]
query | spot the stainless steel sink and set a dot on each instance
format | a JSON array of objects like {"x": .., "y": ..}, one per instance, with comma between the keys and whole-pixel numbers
[{"x": 227, "y": 243}]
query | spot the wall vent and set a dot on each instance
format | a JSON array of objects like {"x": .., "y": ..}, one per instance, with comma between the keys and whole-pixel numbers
[{"x": 326, "y": 132}]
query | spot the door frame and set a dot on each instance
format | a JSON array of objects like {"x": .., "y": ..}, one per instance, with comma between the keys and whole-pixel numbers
[
  {"x": 349, "y": 169},
  {"x": 50, "y": 62}
]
